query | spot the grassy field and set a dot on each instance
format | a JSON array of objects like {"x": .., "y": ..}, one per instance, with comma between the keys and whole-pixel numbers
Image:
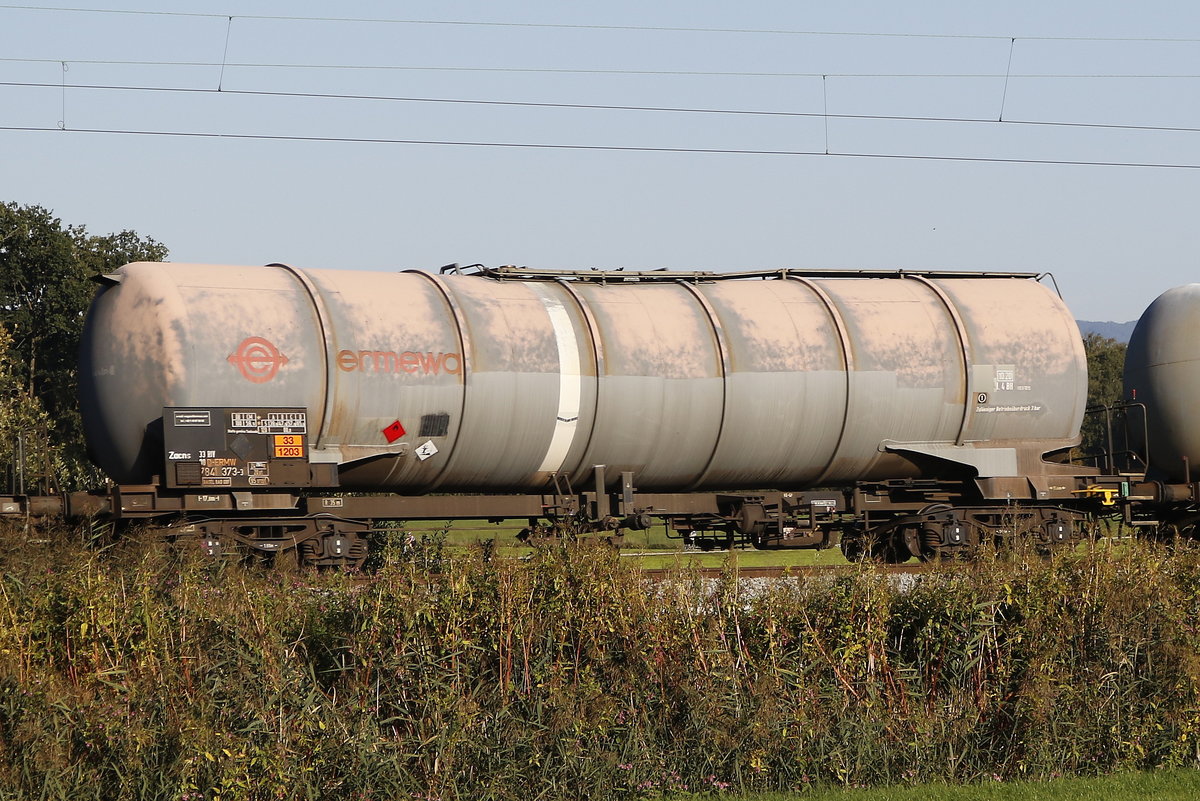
[
  {"x": 651, "y": 549},
  {"x": 1170, "y": 785},
  {"x": 655, "y": 547}
]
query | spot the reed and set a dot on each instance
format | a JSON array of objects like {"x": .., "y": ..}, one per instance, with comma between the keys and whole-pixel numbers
[{"x": 146, "y": 673}]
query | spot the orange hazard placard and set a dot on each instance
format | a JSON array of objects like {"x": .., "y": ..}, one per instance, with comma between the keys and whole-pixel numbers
[{"x": 288, "y": 446}]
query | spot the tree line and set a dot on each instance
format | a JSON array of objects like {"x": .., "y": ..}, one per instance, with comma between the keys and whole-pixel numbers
[
  {"x": 46, "y": 268},
  {"x": 1106, "y": 364}
]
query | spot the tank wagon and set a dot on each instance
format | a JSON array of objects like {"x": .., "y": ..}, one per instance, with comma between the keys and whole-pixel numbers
[
  {"x": 896, "y": 413},
  {"x": 1161, "y": 384}
]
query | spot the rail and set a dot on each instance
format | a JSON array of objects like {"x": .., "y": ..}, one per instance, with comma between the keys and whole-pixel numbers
[{"x": 794, "y": 571}]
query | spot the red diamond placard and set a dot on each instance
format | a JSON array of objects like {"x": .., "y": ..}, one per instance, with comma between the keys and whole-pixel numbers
[{"x": 393, "y": 432}]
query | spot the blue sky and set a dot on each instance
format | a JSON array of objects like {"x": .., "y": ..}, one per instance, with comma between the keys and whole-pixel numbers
[{"x": 1082, "y": 87}]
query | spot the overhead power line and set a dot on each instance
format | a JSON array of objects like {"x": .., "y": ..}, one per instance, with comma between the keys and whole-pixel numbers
[
  {"x": 597, "y": 107},
  {"x": 609, "y": 148},
  {"x": 224, "y": 64},
  {"x": 569, "y": 71},
  {"x": 596, "y": 27}
]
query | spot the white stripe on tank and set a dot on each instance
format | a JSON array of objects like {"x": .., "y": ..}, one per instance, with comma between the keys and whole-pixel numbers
[{"x": 570, "y": 381}]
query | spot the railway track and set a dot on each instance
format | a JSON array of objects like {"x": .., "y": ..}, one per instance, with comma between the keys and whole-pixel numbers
[{"x": 791, "y": 571}]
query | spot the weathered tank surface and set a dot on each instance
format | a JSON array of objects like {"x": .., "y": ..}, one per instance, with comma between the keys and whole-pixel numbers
[
  {"x": 417, "y": 382},
  {"x": 1162, "y": 372}
]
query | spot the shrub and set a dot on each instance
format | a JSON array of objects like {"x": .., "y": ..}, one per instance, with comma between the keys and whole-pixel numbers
[{"x": 146, "y": 673}]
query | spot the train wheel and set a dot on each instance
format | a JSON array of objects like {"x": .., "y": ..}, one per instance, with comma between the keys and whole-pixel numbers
[
  {"x": 1056, "y": 535},
  {"x": 1177, "y": 534},
  {"x": 884, "y": 544},
  {"x": 944, "y": 538},
  {"x": 287, "y": 560},
  {"x": 308, "y": 552},
  {"x": 854, "y": 545},
  {"x": 338, "y": 550},
  {"x": 934, "y": 545}
]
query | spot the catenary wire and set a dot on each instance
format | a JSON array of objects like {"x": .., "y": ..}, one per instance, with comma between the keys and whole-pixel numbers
[
  {"x": 609, "y": 148},
  {"x": 229, "y": 18},
  {"x": 599, "y": 107},
  {"x": 579, "y": 26},
  {"x": 570, "y": 71}
]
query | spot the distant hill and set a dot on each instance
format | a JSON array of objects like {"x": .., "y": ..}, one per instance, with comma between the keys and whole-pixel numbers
[{"x": 1118, "y": 331}]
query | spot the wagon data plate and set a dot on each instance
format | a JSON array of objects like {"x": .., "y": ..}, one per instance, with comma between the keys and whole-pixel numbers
[{"x": 235, "y": 447}]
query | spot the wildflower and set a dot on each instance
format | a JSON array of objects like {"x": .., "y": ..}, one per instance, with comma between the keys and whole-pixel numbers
[{"x": 719, "y": 786}]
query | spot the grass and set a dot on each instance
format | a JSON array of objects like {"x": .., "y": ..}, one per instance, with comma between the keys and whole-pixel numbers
[
  {"x": 1167, "y": 785},
  {"x": 655, "y": 548},
  {"x": 652, "y": 548},
  {"x": 737, "y": 557},
  {"x": 151, "y": 674}
]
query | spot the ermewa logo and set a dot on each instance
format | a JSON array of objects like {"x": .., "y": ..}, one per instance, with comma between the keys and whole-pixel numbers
[
  {"x": 390, "y": 361},
  {"x": 257, "y": 359}
]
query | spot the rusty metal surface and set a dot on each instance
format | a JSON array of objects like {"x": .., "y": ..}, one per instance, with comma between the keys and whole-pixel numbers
[
  {"x": 430, "y": 507},
  {"x": 418, "y": 382},
  {"x": 1162, "y": 366},
  {"x": 395, "y": 354},
  {"x": 1027, "y": 357},
  {"x": 190, "y": 335},
  {"x": 659, "y": 406}
]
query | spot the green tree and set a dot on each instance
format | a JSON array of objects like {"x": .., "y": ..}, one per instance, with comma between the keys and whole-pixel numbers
[
  {"x": 24, "y": 425},
  {"x": 45, "y": 290},
  {"x": 1105, "y": 362}
]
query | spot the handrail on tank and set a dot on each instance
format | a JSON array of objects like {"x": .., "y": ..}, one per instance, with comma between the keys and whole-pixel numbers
[
  {"x": 1053, "y": 282},
  {"x": 510, "y": 272},
  {"x": 1134, "y": 456},
  {"x": 1110, "y": 452}
]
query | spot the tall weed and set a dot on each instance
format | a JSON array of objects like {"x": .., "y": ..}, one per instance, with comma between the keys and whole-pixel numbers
[{"x": 146, "y": 673}]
